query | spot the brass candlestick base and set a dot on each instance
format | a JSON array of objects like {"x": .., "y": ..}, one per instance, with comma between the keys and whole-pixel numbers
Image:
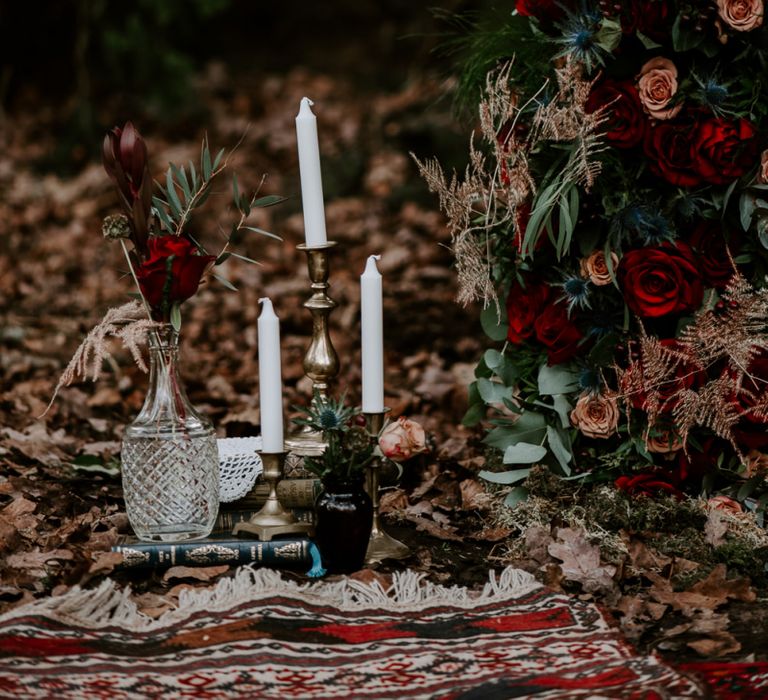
[
  {"x": 321, "y": 363},
  {"x": 272, "y": 519},
  {"x": 380, "y": 545}
]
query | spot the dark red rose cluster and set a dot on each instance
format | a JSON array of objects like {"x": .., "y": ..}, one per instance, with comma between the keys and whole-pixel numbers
[
  {"x": 172, "y": 272},
  {"x": 690, "y": 152},
  {"x": 661, "y": 280},
  {"x": 533, "y": 313}
]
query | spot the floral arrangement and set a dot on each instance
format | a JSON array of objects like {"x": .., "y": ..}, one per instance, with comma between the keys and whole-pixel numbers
[
  {"x": 614, "y": 225},
  {"x": 167, "y": 261},
  {"x": 350, "y": 447}
]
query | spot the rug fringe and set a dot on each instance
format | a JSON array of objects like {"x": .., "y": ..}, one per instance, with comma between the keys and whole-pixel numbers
[{"x": 108, "y": 604}]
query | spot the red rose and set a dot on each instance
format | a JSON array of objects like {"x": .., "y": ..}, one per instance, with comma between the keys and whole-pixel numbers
[
  {"x": 650, "y": 483},
  {"x": 523, "y": 306},
  {"x": 661, "y": 280},
  {"x": 724, "y": 149},
  {"x": 647, "y": 16},
  {"x": 669, "y": 148},
  {"x": 625, "y": 125},
  {"x": 186, "y": 269},
  {"x": 556, "y": 332},
  {"x": 709, "y": 242},
  {"x": 543, "y": 10},
  {"x": 751, "y": 431}
]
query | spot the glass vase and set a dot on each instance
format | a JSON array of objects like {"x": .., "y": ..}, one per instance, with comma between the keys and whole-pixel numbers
[{"x": 170, "y": 463}]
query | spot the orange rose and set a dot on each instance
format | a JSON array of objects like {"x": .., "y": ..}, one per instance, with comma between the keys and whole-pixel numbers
[
  {"x": 657, "y": 85},
  {"x": 663, "y": 441},
  {"x": 596, "y": 268},
  {"x": 741, "y": 15},
  {"x": 596, "y": 415},
  {"x": 403, "y": 439}
]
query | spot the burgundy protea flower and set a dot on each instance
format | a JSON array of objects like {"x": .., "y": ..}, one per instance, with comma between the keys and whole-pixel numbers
[{"x": 124, "y": 155}]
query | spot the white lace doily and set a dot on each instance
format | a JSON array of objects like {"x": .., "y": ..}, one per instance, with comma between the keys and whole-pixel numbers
[{"x": 239, "y": 465}]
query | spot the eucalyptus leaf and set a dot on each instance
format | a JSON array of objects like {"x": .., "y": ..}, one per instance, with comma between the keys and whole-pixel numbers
[
  {"x": 493, "y": 326},
  {"x": 509, "y": 477},
  {"x": 493, "y": 392},
  {"x": 530, "y": 426},
  {"x": 557, "y": 379},
  {"x": 563, "y": 409},
  {"x": 747, "y": 205},
  {"x": 517, "y": 495},
  {"x": 524, "y": 453},
  {"x": 557, "y": 444},
  {"x": 176, "y": 317},
  {"x": 493, "y": 358}
]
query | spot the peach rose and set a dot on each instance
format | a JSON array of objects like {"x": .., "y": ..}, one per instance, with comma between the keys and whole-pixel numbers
[
  {"x": 402, "y": 439},
  {"x": 663, "y": 441},
  {"x": 657, "y": 85},
  {"x": 596, "y": 268},
  {"x": 762, "y": 175},
  {"x": 741, "y": 15},
  {"x": 596, "y": 415},
  {"x": 725, "y": 503}
]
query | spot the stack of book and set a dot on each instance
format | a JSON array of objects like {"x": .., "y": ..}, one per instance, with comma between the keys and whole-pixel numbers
[{"x": 221, "y": 547}]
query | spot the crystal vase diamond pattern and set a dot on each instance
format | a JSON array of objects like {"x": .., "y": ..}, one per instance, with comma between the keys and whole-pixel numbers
[{"x": 169, "y": 455}]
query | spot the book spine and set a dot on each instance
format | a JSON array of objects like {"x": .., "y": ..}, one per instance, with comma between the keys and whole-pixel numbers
[
  {"x": 293, "y": 493},
  {"x": 227, "y": 519},
  {"x": 280, "y": 553}
]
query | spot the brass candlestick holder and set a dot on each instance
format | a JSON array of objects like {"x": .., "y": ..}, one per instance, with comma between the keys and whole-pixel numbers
[
  {"x": 380, "y": 545},
  {"x": 321, "y": 363},
  {"x": 272, "y": 519}
]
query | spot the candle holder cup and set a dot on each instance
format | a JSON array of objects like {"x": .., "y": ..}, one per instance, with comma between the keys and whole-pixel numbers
[
  {"x": 272, "y": 519},
  {"x": 321, "y": 363},
  {"x": 380, "y": 545}
]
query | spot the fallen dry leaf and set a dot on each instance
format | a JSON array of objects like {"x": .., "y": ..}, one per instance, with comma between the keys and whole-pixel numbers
[
  {"x": 581, "y": 561},
  {"x": 104, "y": 562},
  {"x": 492, "y": 534},
  {"x": 432, "y": 528},
  {"x": 715, "y": 528},
  {"x": 474, "y": 495},
  {"x": 38, "y": 559},
  {"x": 537, "y": 541},
  {"x": 201, "y": 573}
]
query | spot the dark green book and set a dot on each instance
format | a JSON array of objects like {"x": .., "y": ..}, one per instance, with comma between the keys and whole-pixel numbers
[{"x": 292, "y": 553}]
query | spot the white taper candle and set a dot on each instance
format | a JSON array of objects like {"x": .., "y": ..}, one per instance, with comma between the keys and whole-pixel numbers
[
  {"x": 372, "y": 331},
  {"x": 270, "y": 379},
  {"x": 311, "y": 179}
]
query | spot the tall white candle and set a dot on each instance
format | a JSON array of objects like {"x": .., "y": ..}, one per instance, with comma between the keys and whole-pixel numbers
[
  {"x": 372, "y": 327},
  {"x": 270, "y": 379},
  {"x": 311, "y": 179}
]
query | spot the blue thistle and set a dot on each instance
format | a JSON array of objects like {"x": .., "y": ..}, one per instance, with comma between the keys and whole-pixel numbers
[
  {"x": 712, "y": 93},
  {"x": 590, "y": 380},
  {"x": 579, "y": 39},
  {"x": 577, "y": 292},
  {"x": 648, "y": 224}
]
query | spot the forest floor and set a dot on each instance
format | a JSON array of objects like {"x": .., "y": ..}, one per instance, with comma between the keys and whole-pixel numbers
[{"x": 60, "y": 495}]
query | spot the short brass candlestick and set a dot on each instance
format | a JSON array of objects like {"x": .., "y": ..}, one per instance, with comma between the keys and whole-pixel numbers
[
  {"x": 272, "y": 519},
  {"x": 380, "y": 545},
  {"x": 321, "y": 363}
]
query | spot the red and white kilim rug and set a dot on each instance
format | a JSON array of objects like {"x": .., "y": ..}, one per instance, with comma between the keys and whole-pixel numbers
[{"x": 259, "y": 636}]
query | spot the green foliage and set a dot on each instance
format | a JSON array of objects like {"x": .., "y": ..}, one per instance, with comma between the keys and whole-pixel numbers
[{"x": 350, "y": 448}]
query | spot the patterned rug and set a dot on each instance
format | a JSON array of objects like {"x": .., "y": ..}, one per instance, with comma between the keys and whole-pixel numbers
[
  {"x": 732, "y": 681},
  {"x": 259, "y": 636}
]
